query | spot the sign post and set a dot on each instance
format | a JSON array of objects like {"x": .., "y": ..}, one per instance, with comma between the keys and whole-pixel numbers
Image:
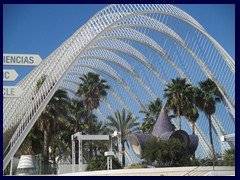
[{"x": 11, "y": 74}]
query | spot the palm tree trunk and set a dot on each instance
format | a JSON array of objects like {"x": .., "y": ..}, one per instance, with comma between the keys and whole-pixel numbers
[
  {"x": 76, "y": 129},
  {"x": 95, "y": 150},
  {"x": 179, "y": 123},
  {"x": 210, "y": 135},
  {"x": 54, "y": 159},
  {"x": 193, "y": 128},
  {"x": 90, "y": 132},
  {"x": 123, "y": 154},
  {"x": 179, "y": 119},
  {"x": 45, "y": 151},
  {"x": 193, "y": 132}
]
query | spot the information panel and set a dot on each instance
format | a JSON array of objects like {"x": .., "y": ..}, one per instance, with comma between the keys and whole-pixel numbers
[{"x": 11, "y": 74}]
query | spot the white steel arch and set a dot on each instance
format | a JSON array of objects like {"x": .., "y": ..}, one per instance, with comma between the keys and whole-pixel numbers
[{"x": 218, "y": 124}]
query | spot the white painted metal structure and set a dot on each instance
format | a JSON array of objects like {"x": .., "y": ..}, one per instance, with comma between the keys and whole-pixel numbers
[
  {"x": 228, "y": 138},
  {"x": 138, "y": 48},
  {"x": 79, "y": 137}
]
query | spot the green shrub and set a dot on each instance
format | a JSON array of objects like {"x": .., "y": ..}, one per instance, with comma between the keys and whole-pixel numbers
[
  {"x": 151, "y": 150},
  {"x": 229, "y": 157},
  {"x": 100, "y": 163},
  {"x": 166, "y": 153},
  {"x": 194, "y": 162},
  {"x": 136, "y": 166}
]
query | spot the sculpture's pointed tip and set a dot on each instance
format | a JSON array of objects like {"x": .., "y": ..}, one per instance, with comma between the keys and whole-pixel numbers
[
  {"x": 163, "y": 108},
  {"x": 162, "y": 124}
]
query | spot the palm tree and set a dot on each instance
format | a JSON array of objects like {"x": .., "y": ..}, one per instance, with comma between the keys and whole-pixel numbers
[
  {"x": 177, "y": 94},
  {"x": 78, "y": 113},
  {"x": 60, "y": 139},
  {"x": 92, "y": 90},
  {"x": 125, "y": 124},
  {"x": 33, "y": 143},
  {"x": 54, "y": 109},
  {"x": 151, "y": 112},
  {"x": 206, "y": 98},
  {"x": 191, "y": 112},
  {"x": 40, "y": 81},
  {"x": 45, "y": 133},
  {"x": 192, "y": 115}
]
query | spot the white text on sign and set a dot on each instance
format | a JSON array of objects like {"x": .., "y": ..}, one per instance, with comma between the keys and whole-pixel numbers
[
  {"x": 9, "y": 75},
  {"x": 21, "y": 59},
  {"x": 12, "y": 91}
]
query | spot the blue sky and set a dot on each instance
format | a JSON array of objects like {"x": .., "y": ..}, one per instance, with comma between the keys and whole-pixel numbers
[{"x": 40, "y": 29}]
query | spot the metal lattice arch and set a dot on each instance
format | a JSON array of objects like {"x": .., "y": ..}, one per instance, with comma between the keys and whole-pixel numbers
[{"x": 138, "y": 49}]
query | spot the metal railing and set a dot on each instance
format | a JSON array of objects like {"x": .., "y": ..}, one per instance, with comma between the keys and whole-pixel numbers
[{"x": 209, "y": 166}]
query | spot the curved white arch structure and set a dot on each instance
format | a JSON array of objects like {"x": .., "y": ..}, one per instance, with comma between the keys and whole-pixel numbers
[{"x": 138, "y": 49}]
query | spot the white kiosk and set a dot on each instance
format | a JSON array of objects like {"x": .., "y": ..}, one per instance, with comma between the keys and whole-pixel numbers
[{"x": 79, "y": 137}]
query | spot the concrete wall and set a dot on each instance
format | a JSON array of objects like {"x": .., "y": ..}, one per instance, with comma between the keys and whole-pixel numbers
[
  {"x": 67, "y": 168},
  {"x": 222, "y": 171},
  {"x": 172, "y": 171},
  {"x": 136, "y": 172}
]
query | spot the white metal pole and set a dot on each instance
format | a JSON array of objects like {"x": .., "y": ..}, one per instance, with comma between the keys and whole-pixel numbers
[
  {"x": 120, "y": 148},
  {"x": 11, "y": 166},
  {"x": 108, "y": 164},
  {"x": 73, "y": 154},
  {"x": 222, "y": 149},
  {"x": 110, "y": 161},
  {"x": 80, "y": 161},
  {"x": 110, "y": 158}
]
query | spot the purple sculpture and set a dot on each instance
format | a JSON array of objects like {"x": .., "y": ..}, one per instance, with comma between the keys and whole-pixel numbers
[{"x": 164, "y": 130}]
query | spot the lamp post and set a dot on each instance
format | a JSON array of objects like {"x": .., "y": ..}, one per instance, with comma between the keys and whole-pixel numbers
[
  {"x": 118, "y": 135},
  {"x": 120, "y": 148}
]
